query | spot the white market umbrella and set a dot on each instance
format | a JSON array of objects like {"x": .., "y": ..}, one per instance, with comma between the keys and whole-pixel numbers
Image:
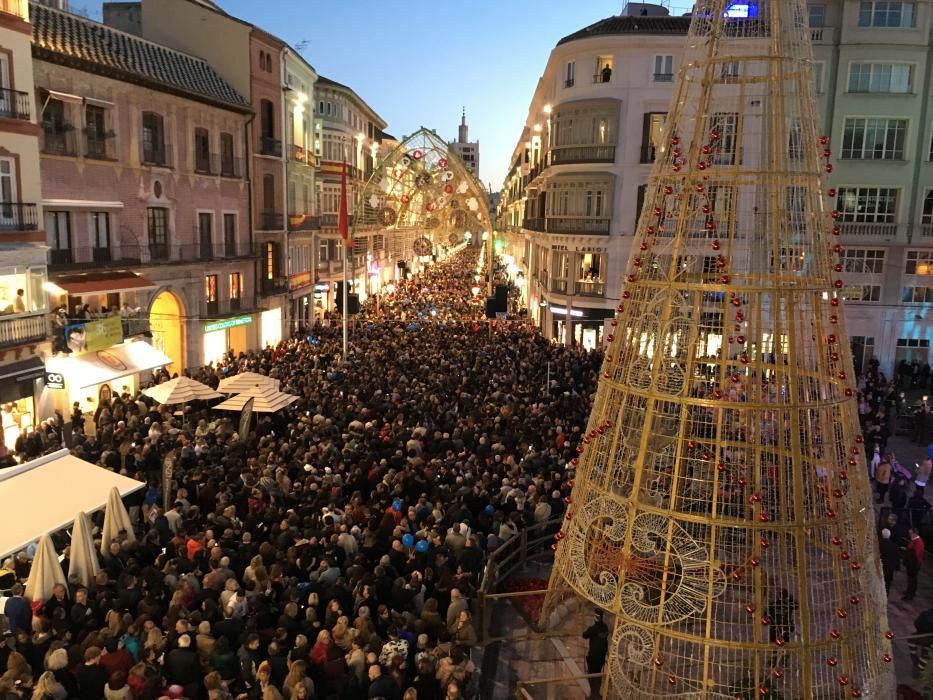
[
  {"x": 115, "y": 519},
  {"x": 181, "y": 390},
  {"x": 46, "y": 571},
  {"x": 83, "y": 563},
  {"x": 244, "y": 382},
  {"x": 266, "y": 399}
]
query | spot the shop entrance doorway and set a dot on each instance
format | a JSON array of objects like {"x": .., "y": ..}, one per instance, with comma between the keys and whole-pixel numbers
[{"x": 167, "y": 321}]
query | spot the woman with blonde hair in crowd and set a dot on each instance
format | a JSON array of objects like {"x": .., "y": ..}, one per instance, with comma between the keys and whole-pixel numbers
[
  {"x": 47, "y": 688},
  {"x": 341, "y": 633},
  {"x": 216, "y": 688},
  {"x": 296, "y": 679}
]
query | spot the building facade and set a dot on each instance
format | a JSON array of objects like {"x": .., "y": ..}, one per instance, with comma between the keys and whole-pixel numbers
[
  {"x": 466, "y": 149},
  {"x": 347, "y": 131},
  {"x": 301, "y": 196},
  {"x": 571, "y": 199},
  {"x": 23, "y": 300},
  {"x": 143, "y": 181},
  {"x": 569, "y": 203}
]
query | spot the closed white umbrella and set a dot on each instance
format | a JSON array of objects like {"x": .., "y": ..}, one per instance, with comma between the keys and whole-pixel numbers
[
  {"x": 83, "y": 557},
  {"x": 266, "y": 399},
  {"x": 245, "y": 381},
  {"x": 115, "y": 519},
  {"x": 181, "y": 390},
  {"x": 46, "y": 571}
]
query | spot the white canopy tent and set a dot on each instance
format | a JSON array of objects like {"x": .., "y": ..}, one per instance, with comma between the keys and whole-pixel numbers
[
  {"x": 244, "y": 382},
  {"x": 44, "y": 495},
  {"x": 181, "y": 390},
  {"x": 266, "y": 399}
]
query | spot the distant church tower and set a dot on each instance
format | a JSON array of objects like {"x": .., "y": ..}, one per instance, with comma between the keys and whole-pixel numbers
[{"x": 466, "y": 149}]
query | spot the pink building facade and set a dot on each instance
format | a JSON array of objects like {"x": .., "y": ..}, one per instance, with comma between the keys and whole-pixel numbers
[{"x": 145, "y": 189}]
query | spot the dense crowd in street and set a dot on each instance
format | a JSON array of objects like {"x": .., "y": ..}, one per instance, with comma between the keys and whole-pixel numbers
[{"x": 336, "y": 550}]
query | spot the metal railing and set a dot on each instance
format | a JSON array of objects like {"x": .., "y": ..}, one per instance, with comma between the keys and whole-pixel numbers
[
  {"x": 663, "y": 77},
  {"x": 564, "y": 155},
  {"x": 568, "y": 83},
  {"x": 271, "y": 221},
  {"x": 273, "y": 285},
  {"x": 128, "y": 255},
  {"x": 99, "y": 147},
  {"x": 59, "y": 140},
  {"x": 531, "y": 544},
  {"x": 590, "y": 289},
  {"x": 269, "y": 146},
  {"x": 18, "y": 216},
  {"x": 873, "y": 230},
  {"x": 299, "y": 154},
  {"x": 926, "y": 230},
  {"x": 158, "y": 155},
  {"x": 23, "y": 329},
  {"x": 603, "y": 77},
  {"x": 14, "y": 104},
  {"x": 305, "y": 223}
]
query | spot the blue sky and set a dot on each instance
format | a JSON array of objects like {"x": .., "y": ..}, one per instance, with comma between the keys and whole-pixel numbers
[{"x": 417, "y": 62}]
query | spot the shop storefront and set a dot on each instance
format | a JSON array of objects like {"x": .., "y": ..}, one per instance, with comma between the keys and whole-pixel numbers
[
  {"x": 20, "y": 383},
  {"x": 587, "y": 325},
  {"x": 227, "y": 335},
  {"x": 271, "y": 327},
  {"x": 92, "y": 377}
]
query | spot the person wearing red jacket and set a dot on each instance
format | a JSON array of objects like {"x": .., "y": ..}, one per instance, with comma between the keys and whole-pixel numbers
[{"x": 913, "y": 560}]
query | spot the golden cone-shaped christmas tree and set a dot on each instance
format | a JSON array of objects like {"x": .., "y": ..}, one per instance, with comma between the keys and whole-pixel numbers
[{"x": 722, "y": 511}]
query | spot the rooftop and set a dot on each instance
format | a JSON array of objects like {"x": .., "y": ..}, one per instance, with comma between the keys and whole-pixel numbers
[
  {"x": 61, "y": 37},
  {"x": 323, "y": 81},
  {"x": 632, "y": 25}
]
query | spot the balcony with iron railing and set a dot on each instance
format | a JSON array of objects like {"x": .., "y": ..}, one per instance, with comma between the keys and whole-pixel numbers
[
  {"x": 270, "y": 221},
  {"x": 276, "y": 284},
  {"x": 130, "y": 255},
  {"x": 18, "y": 216},
  {"x": 299, "y": 154},
  {"x": 569, "y": 224},
  {"x": 886, "y": 231},
  {"x": 269, "y": 146},
  {"x": 100, "y": 146},
  {"x": 822, "y": 35},
  {"x": 590, "y": 288},
  {"x": 59, "y": 139},
  {"x": 19, "y": 329},
  {"x": 926, "y": 230},
  {"x": 159, "y": 155},
  {"x": 303, "y": 222},
  {"x": 14, "y": 104},
  {"x": 663, "y": 77},
  {"x": 568, "y": 155}
]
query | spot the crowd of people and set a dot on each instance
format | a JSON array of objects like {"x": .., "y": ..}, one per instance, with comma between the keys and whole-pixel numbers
[{"x": 336, "y": 549}]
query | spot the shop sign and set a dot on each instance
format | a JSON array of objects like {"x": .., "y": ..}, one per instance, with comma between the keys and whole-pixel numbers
[
  {"x": 228, "y": 323},
  {"x": 590, "y": 249},
  {"x": 299, "y": 279},
  {"x": 54, "y": 380},
  {"x": 96, "y": 335}
]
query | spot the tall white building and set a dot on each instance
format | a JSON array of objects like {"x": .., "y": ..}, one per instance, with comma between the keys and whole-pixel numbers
[
  {"x": 466, "y": 149},
  {"x": 572, "y": 196}
]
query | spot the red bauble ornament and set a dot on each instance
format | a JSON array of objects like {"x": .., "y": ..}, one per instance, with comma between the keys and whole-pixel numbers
[
  {"x": 834, "y": 302},
  {"x": 836, "y": 540},
  {"x": 855, "y": 600},
  {"x": 716, "y": 245},
  {"x": 763, "y": 543},
  {"x": 843, "y": 680},
  {"x": 834, "y": 633},
  {"x": 887, "y": 658},
  {"x": 672, "y": 680},
  {"x": 701, "y": 165},
  {"x": 832, "y": 661},
  {"x": 889, "y": 635},
  {"x": 842, "y": 613},
  {"x": 777, "y": 673},
  {"x": 626, "y": 294},
  {"x": 780, "y": 641},
  {"x": 831, "y": 192}
]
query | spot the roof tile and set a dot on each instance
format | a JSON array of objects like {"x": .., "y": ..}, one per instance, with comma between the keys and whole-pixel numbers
[{"x": 99, "y": 46}]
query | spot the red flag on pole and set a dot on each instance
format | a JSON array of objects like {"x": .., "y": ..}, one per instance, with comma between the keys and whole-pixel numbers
[{"x": 343, "y": 217}]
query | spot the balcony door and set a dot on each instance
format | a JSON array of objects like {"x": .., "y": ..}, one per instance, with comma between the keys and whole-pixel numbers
[
  {"x": 205, "y": 234},
  {"x": 8, "y": 194},
  {"x": 6, "y": 96}
]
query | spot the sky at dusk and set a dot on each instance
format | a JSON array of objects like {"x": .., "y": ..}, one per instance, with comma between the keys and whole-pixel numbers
[{"x": 418, "y": 62}]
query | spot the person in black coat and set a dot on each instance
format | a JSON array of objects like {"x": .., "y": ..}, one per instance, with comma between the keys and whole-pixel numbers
[
  {"x": 597, "y": 635},
  {"x": 890, "y": 558},
  {"x": 183, "y": 667},
  {"x": 91, "y": 676}
]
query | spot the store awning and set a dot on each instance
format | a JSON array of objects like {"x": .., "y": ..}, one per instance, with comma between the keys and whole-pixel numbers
[
  {"x": 46, "y": 495},
  {"x": 103, "y": 282},
  {"x": 23, "y": 370},
  {"x": 95, "y": 368}
]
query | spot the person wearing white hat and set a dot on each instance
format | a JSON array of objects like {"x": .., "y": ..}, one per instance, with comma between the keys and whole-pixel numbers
[{"x": 890, "y": 558}]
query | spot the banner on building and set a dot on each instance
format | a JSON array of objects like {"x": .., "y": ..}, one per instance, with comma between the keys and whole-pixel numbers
[{"x": 90, "y": 336}]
